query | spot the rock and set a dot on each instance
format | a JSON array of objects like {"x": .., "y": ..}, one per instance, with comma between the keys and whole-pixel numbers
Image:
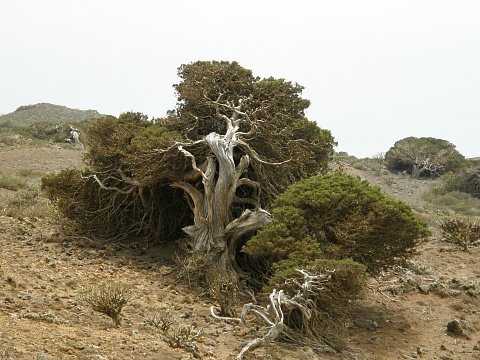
[
  {"x": 424, "y": 289},
  {"x": 210, "y": 342}
]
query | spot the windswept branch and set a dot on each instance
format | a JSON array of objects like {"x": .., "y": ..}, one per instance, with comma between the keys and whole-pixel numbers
[
  {"x": 242, "y": 166},
  {"x": 254, "y": 155},
  {"x": 192, "y": 160},
  {"x": 248, "y": 222},
  {"x": 110, "y": 188},
  {"x": 194, "y": 194},
  {"x": 253, "y": 184}
]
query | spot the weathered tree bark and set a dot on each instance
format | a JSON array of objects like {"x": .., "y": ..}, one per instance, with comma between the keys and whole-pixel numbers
[{"x": 214, "y": 231}]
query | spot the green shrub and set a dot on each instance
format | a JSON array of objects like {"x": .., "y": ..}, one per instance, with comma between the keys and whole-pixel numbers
[
  {"x": 335, "y": 225},
  {"x": 338, "y": 216},
  {"x": 452, "y": 202},
  {"x": 59, "y": 186},
  {"x": 343, "y": 156},
  {"x": 447, "y": 200},
  {"x": 471, "y": 184},
  {"x": 424, "y": 157},
  {"x": 467, "y": 182},
  {"x": 447, "y": 184},
  {"x": 12, "y": 182}
]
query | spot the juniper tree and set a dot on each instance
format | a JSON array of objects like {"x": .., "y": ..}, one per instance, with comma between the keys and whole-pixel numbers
[{"x": 211, "y": 167}]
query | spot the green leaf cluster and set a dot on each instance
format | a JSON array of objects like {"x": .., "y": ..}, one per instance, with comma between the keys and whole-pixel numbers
[
  {"x": 338, "y": 217},
  {"x": 279, "y": 128}
]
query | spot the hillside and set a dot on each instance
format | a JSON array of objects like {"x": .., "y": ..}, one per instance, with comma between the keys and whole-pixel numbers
[
  {"x": 29, "y": 114},
  {"x": 44, "y": 266}
]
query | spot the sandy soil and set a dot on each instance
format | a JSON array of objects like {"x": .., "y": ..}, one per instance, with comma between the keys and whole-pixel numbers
[{"x": 42, "y": 270}]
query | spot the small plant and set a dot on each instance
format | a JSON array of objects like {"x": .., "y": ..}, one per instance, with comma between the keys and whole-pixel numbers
[
  {"x": 225, "y": 291},
  {"x": 184, "y": 338},
  {"x": 108, "y": 299},
  {"x": 161, "y": 319},
  {"x": 193, "y": 269},
  {"x": 27, "y": 203},
  {"x": 460, "y": 231}
]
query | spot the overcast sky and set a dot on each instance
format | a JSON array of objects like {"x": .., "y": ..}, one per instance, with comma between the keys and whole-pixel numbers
[{"x": 375, "y": 71}]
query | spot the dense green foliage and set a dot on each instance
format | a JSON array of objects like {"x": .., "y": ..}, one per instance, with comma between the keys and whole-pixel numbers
[
  {"x": 137, "y": 160},
  {"x": 279, "y": 129},
  {"x": 467, "y": 181},
  {"x": 424, "y": 157},
  {"x": 337, "y": 216}
]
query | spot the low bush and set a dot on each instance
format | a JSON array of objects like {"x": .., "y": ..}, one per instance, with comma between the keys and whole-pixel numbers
[
  {"x": 452, "y": 202},
  {"x": 183, "y": 336},
  {"x": 26, "y": 203},
  {"x": 467, "y": 182},
  {"x": 12, "y": 182},
  {"x": 460, "y": 231},
  {"x": 339, "y": 217}
]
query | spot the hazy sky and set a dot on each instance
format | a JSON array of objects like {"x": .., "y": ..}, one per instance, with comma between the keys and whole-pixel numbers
[{"x": 375, "y": 71}]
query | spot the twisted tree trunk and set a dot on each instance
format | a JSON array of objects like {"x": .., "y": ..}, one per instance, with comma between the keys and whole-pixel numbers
[{"x": 213, "y": 230}]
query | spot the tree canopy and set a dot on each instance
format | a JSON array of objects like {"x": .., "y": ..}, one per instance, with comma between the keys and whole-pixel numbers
[{"x": 424, "y": 157}]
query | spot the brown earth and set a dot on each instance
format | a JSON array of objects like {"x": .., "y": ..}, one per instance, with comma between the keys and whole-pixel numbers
[{"x": 42, "y": 270}]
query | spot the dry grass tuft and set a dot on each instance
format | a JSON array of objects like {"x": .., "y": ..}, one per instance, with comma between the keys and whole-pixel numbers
[{"x": 108, "y": 299}]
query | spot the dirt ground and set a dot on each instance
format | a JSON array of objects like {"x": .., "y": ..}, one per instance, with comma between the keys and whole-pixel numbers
[{"x": 404, "y": 314}]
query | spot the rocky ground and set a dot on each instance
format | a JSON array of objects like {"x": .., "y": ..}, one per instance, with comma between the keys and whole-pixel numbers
[{"x": 429, "y": 311}]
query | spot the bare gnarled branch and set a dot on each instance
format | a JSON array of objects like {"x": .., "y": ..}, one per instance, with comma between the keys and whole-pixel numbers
[
  {"x": 110, "y": 188},
  {"x": 273, "y": 314}
]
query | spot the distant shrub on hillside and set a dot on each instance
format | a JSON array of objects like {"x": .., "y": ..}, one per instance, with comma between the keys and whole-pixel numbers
[
  {"x": 452, "y": 202},
  {"x": 12, "y": 182},
  {"x": 375, "y": 164},
  {"x": 468, "y": 182},
  {"x": 424, "y": 157}
]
